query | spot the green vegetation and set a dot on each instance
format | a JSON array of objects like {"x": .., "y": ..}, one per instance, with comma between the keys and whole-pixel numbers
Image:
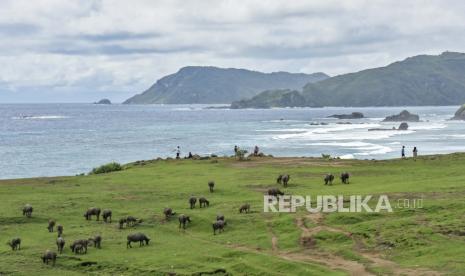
[
  {"x": 419, "y": 80},
  {"x": 110, "y": 167},
  {"x": 407, "y": 241},
  {"x": 199, "y": 84}
]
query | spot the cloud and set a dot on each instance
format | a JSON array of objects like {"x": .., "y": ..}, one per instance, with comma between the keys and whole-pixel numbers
[{"x": 85, "y": 50}]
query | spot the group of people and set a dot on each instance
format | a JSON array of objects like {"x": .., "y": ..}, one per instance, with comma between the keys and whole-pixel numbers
[
  {"x": 414, "y": 151},
  {"x": 256, "y": 150}
]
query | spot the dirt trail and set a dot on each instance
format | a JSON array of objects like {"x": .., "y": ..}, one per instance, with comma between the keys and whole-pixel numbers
[{"x": 353, "y": 267}]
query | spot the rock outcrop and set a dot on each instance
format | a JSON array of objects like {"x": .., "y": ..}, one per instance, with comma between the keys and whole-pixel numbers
[
  {"x": 403, "y": 116},
  {"x": 353, "y": 115},
  {"x": 459, "y": 114},
  {"x": 103, "y": 101}
]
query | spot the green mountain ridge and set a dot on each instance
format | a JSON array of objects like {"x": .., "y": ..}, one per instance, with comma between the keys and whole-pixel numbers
[
  {"x": 419, "y": 80},
  {"x": 209, "y": 85}
]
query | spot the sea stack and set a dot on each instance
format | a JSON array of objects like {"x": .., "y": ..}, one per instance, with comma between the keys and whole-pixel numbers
[
  {"x": 459, "y": 114},
  {"x": 403, "y": 116},
  {"x": 103, "y": 101}
]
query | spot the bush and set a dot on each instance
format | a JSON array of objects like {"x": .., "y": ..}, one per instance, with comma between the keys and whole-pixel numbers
[{"x": 110, "y": 167}]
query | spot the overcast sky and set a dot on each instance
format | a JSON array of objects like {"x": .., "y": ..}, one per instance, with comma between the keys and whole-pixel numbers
[{"x": 82, "y": 51}]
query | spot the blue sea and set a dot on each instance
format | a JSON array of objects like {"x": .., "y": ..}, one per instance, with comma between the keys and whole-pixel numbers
[{"x": 68, "y": 139}]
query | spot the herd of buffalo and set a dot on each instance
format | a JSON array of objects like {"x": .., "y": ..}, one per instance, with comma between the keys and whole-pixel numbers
[{"x": 80, "y": 246}]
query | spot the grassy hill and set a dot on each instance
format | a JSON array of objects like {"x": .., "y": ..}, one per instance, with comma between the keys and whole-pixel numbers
[
  {"x": 416, "y": 81},
  {"x": 408, "y": 241},
  {"x": 201, "y": 84}
]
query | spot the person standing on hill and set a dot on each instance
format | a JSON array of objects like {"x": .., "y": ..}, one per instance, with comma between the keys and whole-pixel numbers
[
  {"x": 255, "y": 151},
  {"x": 178, "y": 152},
  {"x": 403, "y": 152},
  {"x": 415, "y": 153}
]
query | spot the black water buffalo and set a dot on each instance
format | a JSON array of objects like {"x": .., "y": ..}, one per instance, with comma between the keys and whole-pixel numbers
[
  {"x": 137, "y": 237},
  {"x": 168, "y": 212},
  {"x": 329, "y": 179},
  {"x": 192, "y": 201},
  {"x": 60, "y": 244},
  {"x": 79, "y": 246},
  {"x": 286, "y": 179},
  {"x": 60, "y": 230},
  {"x": 244, "y": 208},
  {"x": 96, "y": 241},
  {"x": 211, "y": 184},
  {"x": 345, "y": 177},
  {"x": 130, "y": 221},
  {"x": 106, "y": 215},
  {"x": 203, "y": 202},
  {"x": 49, "y": 256},
  {"x": 274, "y": 192},
  {"x": 92, "y": 212},
  {"x": 51, "y": 225},
  {"x": 183, "y": 220},
  {"x": 218, "y": 225},
  {"x": 220, "y": 217},
  {"x": 15, "y": 244},
  {"x": 27, "y": 210},
  {"x": 279, "y": 180}
]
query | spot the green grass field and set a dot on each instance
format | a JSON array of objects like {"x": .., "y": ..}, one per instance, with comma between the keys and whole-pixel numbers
[{"x": 428, "y": 240}]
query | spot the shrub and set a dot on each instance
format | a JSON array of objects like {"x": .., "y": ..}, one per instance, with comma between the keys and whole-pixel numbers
[{"x": 110, "y": 167}]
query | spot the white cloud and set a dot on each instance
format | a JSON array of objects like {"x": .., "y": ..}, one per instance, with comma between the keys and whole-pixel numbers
[{"x": 85, "y": 50}]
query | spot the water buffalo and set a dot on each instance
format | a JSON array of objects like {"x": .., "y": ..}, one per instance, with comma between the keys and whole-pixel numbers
[
  {"x": 345, "y": 177},
  {"x": 285, "y": 179},
  {"x": 274, "y": 192},
  {"x": 329, "y": 179},
  {"x": 203, "y": 202},
  {"x": 220, "y": 217},
  {"x": 130, "y": 221},
  {"x": 218, "y": 225},
  {"x": 79, "y": 245},
  {"x": 92, "y": 212},
  {"x": 137, "y": 237},
  {"x": 183, "y": 219},
  {"x": 211, "y": 184},
  {"x": 51, "y": 225},
  {"x": 192, "y": 201},
  {"x": 49, "y": 256},
  {"x": 279, "y": 180},
  {"x": 97, "y": 241},
  {"x": 15, "y": 244},
  {"x": 106, "y": 215},
  {"x": 59, "y": 230},
  {"x": 27, "y": 210},
  {"x": 244, "y": 208},
  {"x": 168, "y": 212},
  {"x": 60, "y": 244}
]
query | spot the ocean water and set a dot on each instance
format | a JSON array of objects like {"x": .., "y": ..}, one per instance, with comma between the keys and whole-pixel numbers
[{"x": 68, "y": 139}]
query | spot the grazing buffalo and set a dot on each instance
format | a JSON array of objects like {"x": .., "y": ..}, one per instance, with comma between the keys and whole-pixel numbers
[
  {"x": 79, "y": 246},
  {"x": 97, "y": 241},
  {"x": 137, "y": 237},
  {"x": 51, "y": 225},
  {"x": 130, "y": 221},
  {"x": 203, "y": 202},
  {"x": 329, "y": 179},
  {"x": 183, "y": 220},
  {"x": 121, "y": 222},
  {"x": 60, "y": 244},
  {"x": 345, "y": 177},
  {"x": 168, "y": 212},
  {"x": 274, "y": 192},
  {"x": 27, "y": 210},
  {"x": 192, "y": 201},
  {"x": 279, "y": 180},
  {"x": 211, "y": 184},
  {"x": 106, "y": 215},
  {"x": 60, "y": 230},
  {"x": 49, "y": 256},
  {"x": 15, "y": 244},
  {"x": 218, "y": 225},
  {"x": 220, "y": 217},
  {"x": 244, "y": 208},
  {"x": 92, "y": 212},
  {"x": 285, "y": 179}
]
